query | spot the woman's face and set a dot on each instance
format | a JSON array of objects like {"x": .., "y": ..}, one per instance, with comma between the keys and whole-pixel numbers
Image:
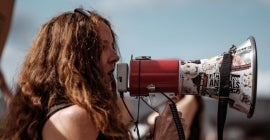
[{"x": 109, "y": 55}]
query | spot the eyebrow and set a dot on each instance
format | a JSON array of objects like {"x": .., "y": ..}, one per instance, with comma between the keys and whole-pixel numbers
[{"x": 107, "y": 42}]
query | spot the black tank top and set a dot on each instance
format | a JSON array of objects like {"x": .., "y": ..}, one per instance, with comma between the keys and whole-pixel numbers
[{"x": 58, "y": 107}]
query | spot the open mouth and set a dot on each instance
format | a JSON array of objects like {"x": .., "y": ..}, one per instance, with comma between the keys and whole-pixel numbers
[{"x": 110, "y": 75}]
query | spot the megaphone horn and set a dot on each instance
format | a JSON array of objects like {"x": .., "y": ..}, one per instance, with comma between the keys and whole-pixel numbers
[{"x": 197, "y": 77}]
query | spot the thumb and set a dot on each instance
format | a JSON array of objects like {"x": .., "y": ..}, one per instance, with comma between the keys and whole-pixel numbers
[{"x": 167, "y": 109}]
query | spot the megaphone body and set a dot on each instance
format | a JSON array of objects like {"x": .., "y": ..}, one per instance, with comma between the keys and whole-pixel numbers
[{"x": 147, "y": 77}]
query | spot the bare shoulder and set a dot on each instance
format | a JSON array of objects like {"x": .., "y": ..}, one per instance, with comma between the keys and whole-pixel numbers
[{"x": 70, "y": 123}]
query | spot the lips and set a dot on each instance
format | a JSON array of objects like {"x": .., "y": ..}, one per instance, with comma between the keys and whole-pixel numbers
[{"x": 110, "y": 75}]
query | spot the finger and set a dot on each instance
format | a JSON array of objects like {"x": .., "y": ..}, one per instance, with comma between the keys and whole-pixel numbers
[
  {"x": 167, "y": 110},
  {"x": 179, "y": 114},
  {"x": 184, "y": 125},
  {"x": 176, "y": 99}
]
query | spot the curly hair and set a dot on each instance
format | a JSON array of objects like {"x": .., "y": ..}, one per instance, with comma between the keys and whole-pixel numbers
[{"x": 63, "y": 64}]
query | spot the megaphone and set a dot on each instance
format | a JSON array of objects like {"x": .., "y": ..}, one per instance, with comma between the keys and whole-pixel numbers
[{"x": 145, "y": 76}]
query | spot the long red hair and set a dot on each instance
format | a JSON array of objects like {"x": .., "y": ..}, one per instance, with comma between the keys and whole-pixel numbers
[{"x": 63, "y": 65}]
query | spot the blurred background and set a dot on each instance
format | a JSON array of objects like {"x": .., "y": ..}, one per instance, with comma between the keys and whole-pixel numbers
[{"x": 180, "y": 29}]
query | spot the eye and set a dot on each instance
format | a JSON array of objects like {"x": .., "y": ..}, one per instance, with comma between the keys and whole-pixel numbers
[
  {"x": 107, "y": 44},
  {"x": 113, "y": 46}
]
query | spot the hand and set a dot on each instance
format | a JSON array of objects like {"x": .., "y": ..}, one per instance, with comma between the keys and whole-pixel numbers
[{"x": 165, "y": 127}]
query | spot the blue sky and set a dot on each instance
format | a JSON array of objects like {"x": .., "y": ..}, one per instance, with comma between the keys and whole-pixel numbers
[{"x": 181, "y": 29}]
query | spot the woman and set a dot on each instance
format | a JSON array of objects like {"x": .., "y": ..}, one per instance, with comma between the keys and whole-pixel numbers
[{"x": 66, "y": 88}]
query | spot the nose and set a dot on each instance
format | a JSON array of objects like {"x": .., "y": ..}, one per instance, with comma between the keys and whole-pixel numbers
[{"x": 115, "y": 58}]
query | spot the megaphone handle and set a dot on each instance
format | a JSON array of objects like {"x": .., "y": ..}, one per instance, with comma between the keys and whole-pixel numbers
[
  {"x": 224, "y": 91},
  {"x": 222, "y": 113}
]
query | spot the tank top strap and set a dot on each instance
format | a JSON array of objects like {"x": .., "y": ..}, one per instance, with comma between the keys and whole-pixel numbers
[
  {"x": 56, "y": 108},
  {"x": 49, "y": 113}
]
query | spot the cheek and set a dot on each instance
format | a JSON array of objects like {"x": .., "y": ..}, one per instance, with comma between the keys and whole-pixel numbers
[
  {"x": 102, "y": 58},
  {"x": 103, "y": 61}
]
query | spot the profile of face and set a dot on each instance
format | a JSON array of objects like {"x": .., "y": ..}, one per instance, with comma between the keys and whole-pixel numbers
[{"x": 109, "y": 55}]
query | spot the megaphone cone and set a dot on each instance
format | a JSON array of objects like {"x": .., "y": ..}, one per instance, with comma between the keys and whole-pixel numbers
[{"x": 196, "y": 77}]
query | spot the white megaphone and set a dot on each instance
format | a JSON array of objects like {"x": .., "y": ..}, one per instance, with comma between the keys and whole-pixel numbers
[{"x": 146, "y": 77}]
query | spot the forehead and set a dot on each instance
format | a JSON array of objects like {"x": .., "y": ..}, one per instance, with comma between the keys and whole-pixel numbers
[{"x": 104, "y": 32}]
